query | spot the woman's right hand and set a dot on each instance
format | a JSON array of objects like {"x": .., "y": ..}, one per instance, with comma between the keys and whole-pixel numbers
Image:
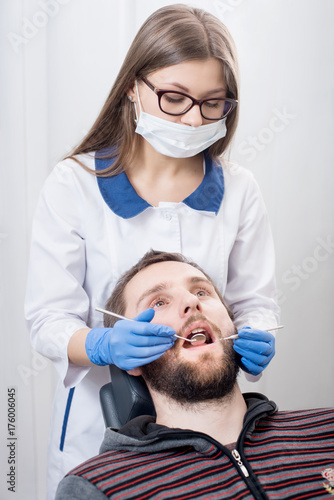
[{"x": 129, "y": 344}]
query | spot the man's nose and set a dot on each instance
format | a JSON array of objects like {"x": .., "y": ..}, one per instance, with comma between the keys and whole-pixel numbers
[{"x": 190, "y": 304}]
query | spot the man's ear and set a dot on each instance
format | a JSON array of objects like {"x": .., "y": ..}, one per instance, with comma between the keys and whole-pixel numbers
[{"x": 135, "y": 372}]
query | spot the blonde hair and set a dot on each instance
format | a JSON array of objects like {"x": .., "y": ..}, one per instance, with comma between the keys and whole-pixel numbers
[{"x": 171, "y": 35}]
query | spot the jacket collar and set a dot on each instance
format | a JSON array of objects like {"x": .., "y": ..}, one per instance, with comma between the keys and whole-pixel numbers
[
  {"x": 122, "y": 199},
  {"x": 143, "y": 434}
]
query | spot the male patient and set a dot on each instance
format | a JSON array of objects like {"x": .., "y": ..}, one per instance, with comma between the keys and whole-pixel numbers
[{"x": 208, "y": 441}]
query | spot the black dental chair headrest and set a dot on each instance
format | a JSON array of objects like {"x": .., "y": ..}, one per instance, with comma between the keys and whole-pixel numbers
[{"x": 124, "y": 398}]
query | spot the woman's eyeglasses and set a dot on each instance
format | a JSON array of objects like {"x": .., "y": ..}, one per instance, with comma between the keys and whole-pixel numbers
[{"x": 176, "y": 103}]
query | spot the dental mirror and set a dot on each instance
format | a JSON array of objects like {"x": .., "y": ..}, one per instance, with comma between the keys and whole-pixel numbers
[{"x": 198, "y": 339}]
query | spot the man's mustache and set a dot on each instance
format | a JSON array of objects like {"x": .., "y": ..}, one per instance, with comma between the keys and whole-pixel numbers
[{"x": 200, "y": 317}]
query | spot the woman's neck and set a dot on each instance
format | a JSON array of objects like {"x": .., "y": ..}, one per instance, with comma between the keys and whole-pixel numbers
[{"x": 157, "y": 177}]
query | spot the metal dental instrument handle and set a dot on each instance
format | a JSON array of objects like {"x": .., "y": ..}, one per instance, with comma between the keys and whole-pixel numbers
[
  {"x": 196, "y": 337},
  {"x": 119, "y": 316},
  {"x": 236, "y": 336}
]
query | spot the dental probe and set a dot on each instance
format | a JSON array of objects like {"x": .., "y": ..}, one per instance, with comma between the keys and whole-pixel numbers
[
  {"x": 236, "y": 336},
  {"x": 129, "y": 319}
]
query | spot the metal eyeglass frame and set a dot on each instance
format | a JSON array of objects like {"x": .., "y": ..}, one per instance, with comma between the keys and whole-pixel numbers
[{"x": 160, "y": 93}]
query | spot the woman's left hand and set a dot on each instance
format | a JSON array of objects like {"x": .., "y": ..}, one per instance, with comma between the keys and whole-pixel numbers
[{"x": 256, "y": 348}]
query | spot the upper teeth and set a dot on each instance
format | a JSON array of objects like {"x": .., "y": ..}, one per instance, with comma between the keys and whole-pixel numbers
[{"x": 197, "y": 330}]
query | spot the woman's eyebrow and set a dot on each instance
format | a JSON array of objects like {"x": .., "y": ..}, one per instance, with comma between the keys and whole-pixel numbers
[
  {"x": 155, "y": 289},
  {"x": 185, "y": 89}
]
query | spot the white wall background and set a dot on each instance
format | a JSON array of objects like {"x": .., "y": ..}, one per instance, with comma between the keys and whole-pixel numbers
[{"x": 58, "y": 60}]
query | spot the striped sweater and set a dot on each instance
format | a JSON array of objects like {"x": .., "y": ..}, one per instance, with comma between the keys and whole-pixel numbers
[{"x": 278, "y": 455}]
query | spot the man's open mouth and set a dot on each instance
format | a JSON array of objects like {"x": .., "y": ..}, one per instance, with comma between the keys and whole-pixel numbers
[{"x": 199, "y": 336}]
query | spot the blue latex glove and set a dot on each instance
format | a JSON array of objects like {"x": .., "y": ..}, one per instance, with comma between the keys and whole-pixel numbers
[
  {"x": 129, "y": 343},
  {"x": 256, "y": 348}
]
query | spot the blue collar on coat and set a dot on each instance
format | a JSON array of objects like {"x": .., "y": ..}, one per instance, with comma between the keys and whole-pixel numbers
[{"x": 122, "y": 199}]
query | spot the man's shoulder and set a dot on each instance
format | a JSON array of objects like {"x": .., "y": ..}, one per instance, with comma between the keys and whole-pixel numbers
[
  {"x": 299, "y": 419},
  {"x": 305, "y": 413},
  {"x": 77, "y": 488},
  {"x": 107, "y": 460}
]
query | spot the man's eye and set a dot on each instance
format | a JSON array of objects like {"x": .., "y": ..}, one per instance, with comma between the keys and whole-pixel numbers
[
  {"x": 201, "y": 293},
  {"x": 158, "y": 303}
]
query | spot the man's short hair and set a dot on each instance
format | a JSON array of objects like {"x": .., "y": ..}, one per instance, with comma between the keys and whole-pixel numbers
[{"x": 116, "y": 302}]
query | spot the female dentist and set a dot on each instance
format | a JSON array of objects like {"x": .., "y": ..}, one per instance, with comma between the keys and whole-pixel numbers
[{"x": 147, "y": 175}]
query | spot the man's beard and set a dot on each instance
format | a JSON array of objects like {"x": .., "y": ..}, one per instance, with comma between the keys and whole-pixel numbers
[{"x": 206, "y": 379}]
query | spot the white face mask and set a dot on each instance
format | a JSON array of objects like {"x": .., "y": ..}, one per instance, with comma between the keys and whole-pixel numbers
[{"x": 177, "y": 140}]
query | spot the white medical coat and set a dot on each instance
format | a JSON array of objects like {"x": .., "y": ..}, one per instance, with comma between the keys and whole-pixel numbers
[{"x": 88, "y": 231}]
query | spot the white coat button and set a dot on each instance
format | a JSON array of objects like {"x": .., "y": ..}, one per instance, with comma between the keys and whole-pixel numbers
[{"x": 168, "y": 216}]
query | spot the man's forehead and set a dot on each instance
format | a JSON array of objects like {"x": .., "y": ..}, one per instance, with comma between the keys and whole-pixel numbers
[{"x": 168, "y": 273}]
